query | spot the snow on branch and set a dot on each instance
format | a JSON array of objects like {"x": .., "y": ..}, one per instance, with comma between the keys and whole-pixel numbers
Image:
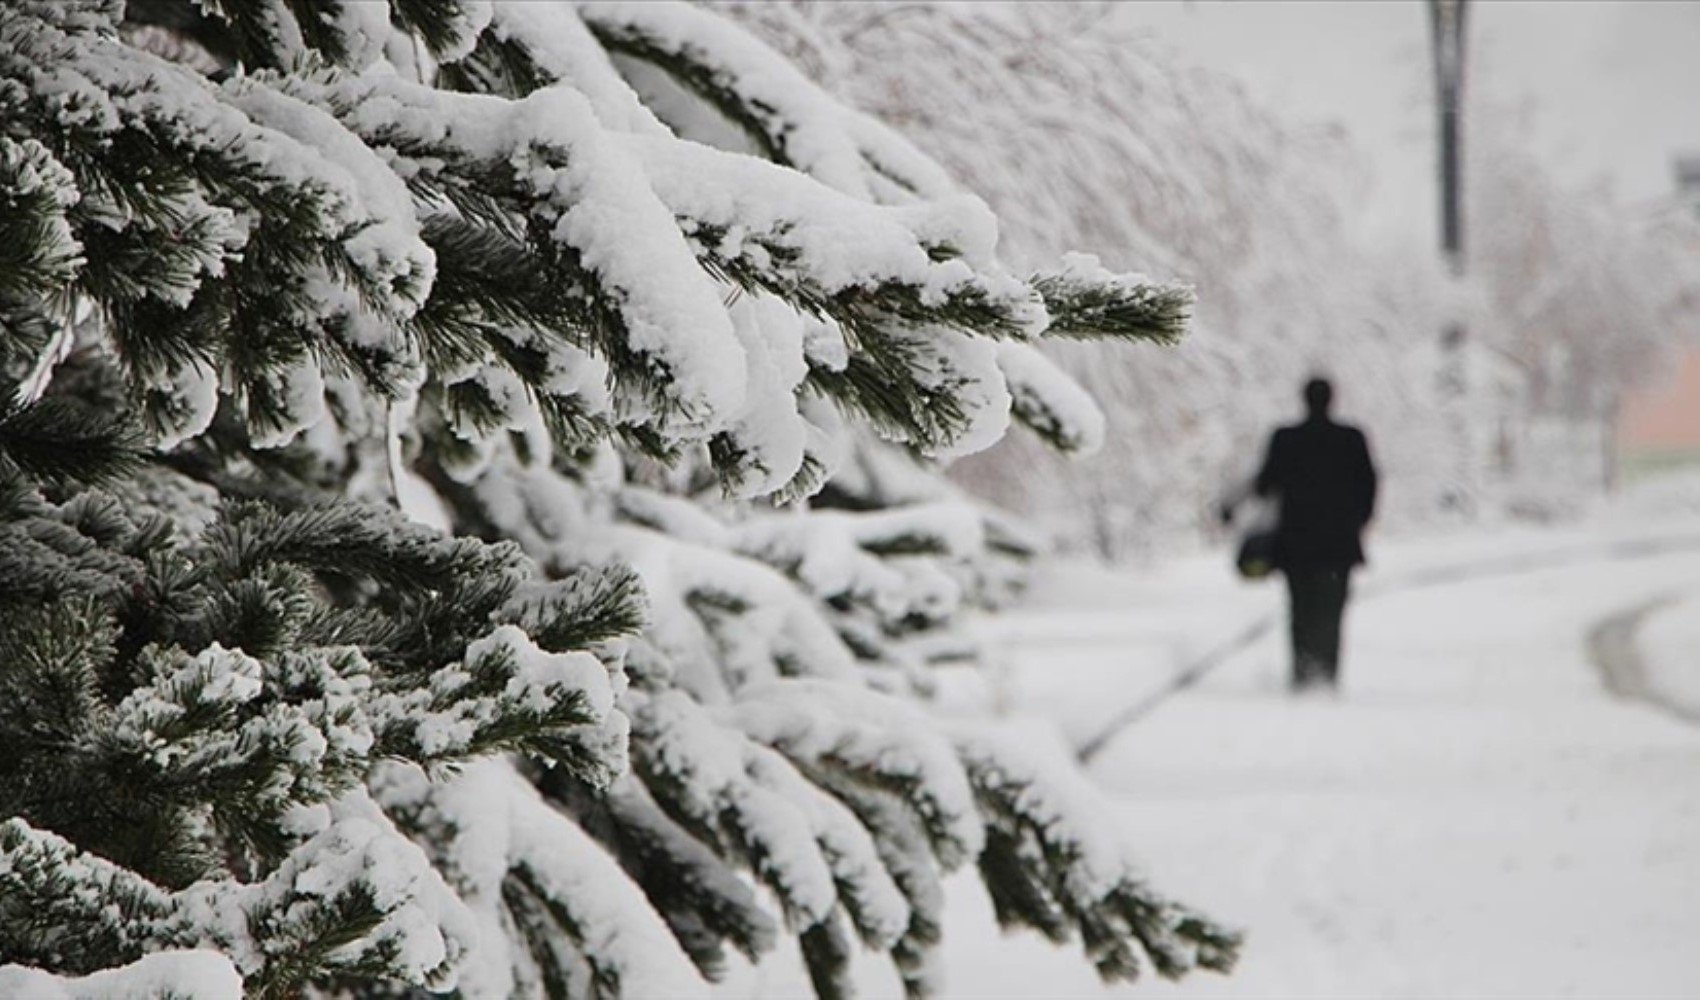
[
  {"x": 791, "y": 119},
  {"x": 1054, "y": 863},
  {"x": 543, "y": 164},
  {"x": 796, "y": 124},
  {"x": 1049, "y": 401},
  {"x": 548, "y": 44},
  {"x": 705, "y": 900},
  {"x": 190, "y": 974},
  {"x": 874, "y": 739},
  {"x": 763, "y": 226},
  {"x": 355, "y": 896},
  {"x": 555, "y": 914},
  {"x": 1087, "y": 301}
]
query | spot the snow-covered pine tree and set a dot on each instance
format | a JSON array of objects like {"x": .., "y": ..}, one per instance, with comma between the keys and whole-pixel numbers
[{"x": 582, "y": 290}]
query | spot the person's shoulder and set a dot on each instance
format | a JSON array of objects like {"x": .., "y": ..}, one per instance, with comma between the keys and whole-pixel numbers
[
  {"x": 1353, "y": 440},
  {"x": 1344, "y": 430}
]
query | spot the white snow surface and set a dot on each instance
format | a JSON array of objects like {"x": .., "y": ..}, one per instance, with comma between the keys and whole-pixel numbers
[
  {"x": 841, "y": 242},
  {"x": 300, "y": 399},
  {"x": 769, "y": 429},
  {"x": 196, "y": 974},
  {"x": 1474, "y": 815},
  {"x": 838, "y": 146},
  {"x": 196, "y": 385},
  {"x": 1040, "y": 387},
  {"x": 1669, "y": 648},
  {"x": 561, "y": 45},
  {"x": 391, "y": 246},
  {"x": 499, "y": 822}
]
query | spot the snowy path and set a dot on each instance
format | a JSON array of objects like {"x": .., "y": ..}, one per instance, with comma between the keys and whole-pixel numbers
[
  {"x": 1666, "y": 650},
  {"x": 1476, "y": 816}
]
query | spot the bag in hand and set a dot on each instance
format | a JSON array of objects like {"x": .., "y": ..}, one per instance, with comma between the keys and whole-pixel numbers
[{"x": 1256, "y": 556}]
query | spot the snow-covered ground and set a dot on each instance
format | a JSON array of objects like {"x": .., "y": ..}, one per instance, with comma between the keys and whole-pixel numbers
[
  {"x": 1474, "y": 815},
  {"x": 1669, "y": 646}
]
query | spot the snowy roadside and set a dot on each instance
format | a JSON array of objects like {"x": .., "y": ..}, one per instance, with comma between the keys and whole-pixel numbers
[
  {"x": 1668, "y": 643},
  {"x": 1476, "y": 815},
  {"x": 1047, "y": 658}
]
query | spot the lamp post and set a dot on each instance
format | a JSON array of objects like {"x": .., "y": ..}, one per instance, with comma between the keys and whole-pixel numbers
[
  {"x": 1446, "y": 33},
  {"x": 1446, "y": 29}
]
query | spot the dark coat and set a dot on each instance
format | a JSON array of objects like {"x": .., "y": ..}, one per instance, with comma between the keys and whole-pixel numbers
[{"x": 1322, "y": 476}]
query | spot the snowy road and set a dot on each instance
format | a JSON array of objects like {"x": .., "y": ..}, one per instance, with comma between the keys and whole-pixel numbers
[{"x": 1475, "y": 816}]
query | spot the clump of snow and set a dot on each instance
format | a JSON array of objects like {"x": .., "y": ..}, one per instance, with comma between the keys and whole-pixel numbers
[
  {"x": 490, "y": 826},
  {"x": 602, "y": 207},
  {"x": 1668, "y": 645},
  {"x": 193, "y": 390},
  {"x": 195, "y": 974},
  {"x": 1049, "y": 399},
  {"x": 422, "y": 931},
  {"x": 837, "y": 554},
  {"x": 884, "y": 736},
  {"x": 967, "y": 368},
  {"x": 216, "y": 678},
  {"x": 842, "y": 148},
  {"x": 413, "y": 494},
  {"x": 774, "y": 625},
  {"x": 1055, "y": 800},
  {"x": 708, "y": 765},
  {"x": 830, "y": 240},
  {"x": 539, "y": 676},
  {"x": 295, "y": 401},
  {"x": 674, "y": 516},
  {"x": 823, "y": 344},
  {"x": 505, "y": 676},
  {"x": 626, "y": 236},
  {"x": 1087, "y": 268},
  {"x": 557, "y": 40},
  {"x": 869, "y": 892},
  {"x": 388, "y": 248},
  {"x": 769, "y": 433}
]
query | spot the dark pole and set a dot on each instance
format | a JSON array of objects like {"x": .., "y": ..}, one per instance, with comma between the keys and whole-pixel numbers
[
  {"x": 1446, "y": 22},
  {"x": 1446, "y": 29}
]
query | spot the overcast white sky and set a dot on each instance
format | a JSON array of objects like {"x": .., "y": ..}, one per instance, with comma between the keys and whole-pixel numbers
[{"x": 1614, "y": 86}]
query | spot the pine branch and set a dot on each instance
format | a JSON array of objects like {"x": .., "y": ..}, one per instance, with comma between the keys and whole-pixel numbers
[
  {"x": 443, "y": 25},
  {"x": 266, "y": 35},
  {"x": 589, "y": 605},
  {"x": 903, "y": 848},
  {"x": 1048, "y": 869},
  {"x": 205, "y": 708},
  {"x": 39, "y": 254},
  {"x": 59, "y": 439},
  {"x": 1086, "y": 302},
  {"x": 878, "y": 382},
  {"x": 704, "y": 901},
  {"x": 63, "y": 910},
  {"x": 826, "y": 954}
]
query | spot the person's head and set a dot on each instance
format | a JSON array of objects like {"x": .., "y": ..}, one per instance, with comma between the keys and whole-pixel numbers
[{"x": 1319, "y": 396}]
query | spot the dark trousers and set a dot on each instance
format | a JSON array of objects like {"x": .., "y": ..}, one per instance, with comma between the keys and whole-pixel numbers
[{"x": 1317, "y": 600}]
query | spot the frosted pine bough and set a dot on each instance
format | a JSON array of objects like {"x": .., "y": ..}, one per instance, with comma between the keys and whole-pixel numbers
[{"x": 514, "y": 269}]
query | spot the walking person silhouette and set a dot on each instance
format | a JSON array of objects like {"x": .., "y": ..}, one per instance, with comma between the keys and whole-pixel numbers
[{"x": 1321, "y": 477}]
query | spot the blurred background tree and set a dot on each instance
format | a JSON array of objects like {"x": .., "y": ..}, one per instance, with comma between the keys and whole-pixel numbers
[{"x": 1107, "y": 137}]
